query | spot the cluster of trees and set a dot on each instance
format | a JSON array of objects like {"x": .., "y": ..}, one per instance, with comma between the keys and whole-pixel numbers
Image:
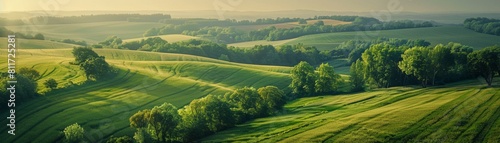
[
  {"x": 25, "y": 88},
  {"x": 259, "y": 54},
  {"x": 307, "y": 82},
  {"x": 101, "y": 18},
  {"x": 94, "y": 66},
  {"x": 112, "y": 42},
  {"x": 220, "y": 34},
  {"x": 4, "y": 32},
  {"x": 386, "y": 65},
  {"x": 205, "y": 116},
  {"x": 171, "y": 29},
  {"x": 483, "y": 25},
  {"x": 73, "y": 133},
  {"x": 71, "y": 41}
]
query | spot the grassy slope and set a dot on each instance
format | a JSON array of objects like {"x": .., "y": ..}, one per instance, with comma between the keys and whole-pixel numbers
[
  {"x": 462, "y": 112},
  {"x": 435, "y": 35},
  {"x": 36, "y": 44},
  {"x": 144, "y": 80},
  {"x": 169, "y": 38},
  {"x": 91, "y": 32}
]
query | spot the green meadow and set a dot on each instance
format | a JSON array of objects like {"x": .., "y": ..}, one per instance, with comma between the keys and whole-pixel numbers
[
  {"x": 90, "y": 32},
  {"x": 434, "y": 35},
  {"x": 143, "y": 80},
  {"x": 460, "y": 112}
]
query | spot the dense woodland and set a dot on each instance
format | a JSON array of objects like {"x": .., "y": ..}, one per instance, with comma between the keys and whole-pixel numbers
[{"x": 483, "y": 25}]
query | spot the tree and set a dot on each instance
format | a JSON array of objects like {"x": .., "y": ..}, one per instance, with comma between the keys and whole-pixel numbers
[
  {"x": 140, "y": 119},
  {"x": 441, "y": 61},
  {"x": 246, "y": 103},
  {"x": 73, "y": 133},
  {"x": 95, "y": 68},
  {"x": 273, "y": 97},
  {"x": 381, "y": 65},
  {"x": 50, "y": 83},
  {"x": 224, "y": 57},
  {"x": 302, "y": 21},
  {"x": 83, "y": 54},
  {"x": 39, "y": 36},
  {"x": 327, "y": 81},
  {"x": 163, "y": 121},
  {"x": 357, "y": 77},
  {"x": 160, "y": 123},
  {"x": 303, "y": 79},
  {"x": 30, "y": 73},
  {"x": 485, "y": 62},
  {"x": 417, "y": 62}
]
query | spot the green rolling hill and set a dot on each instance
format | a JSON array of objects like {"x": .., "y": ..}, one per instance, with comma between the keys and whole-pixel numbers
[
  {"x": 435, "y": 35},
  {"x": 143, "y": 80},
  {"x": 460, "y": 112}
]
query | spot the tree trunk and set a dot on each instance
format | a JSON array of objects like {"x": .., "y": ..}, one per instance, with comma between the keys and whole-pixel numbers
[
  {"x": 434, "y": 78},
  {"x": 489, "y": 79}
]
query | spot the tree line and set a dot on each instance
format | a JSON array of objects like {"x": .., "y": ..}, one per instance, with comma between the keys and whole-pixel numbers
[
  {"x": 259, "y": 54},
  {"x": 385, "y": 65},
  {"x": 4, "y": 32},
  {"x": 483, "y": 25},
  {"x": 205, "y": 116},
  {"x": 228, "y": 34},
  {"x": 101, "y": 18}
]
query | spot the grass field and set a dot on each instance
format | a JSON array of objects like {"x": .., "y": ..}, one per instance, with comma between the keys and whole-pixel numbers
[
  {"x": 36, "y": 44},
  {"x": 460, "y": 112},
  {"x": 144, "y": 80},
  {"x": 435, "y": 35},
  {"x": 169, "y": 38},
  {"x": 91, "y": 32},
  {"x": 290, "y": 24}
]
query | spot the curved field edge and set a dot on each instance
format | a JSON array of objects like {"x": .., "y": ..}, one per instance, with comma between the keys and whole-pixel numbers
[{"x": 462, "y": 112}]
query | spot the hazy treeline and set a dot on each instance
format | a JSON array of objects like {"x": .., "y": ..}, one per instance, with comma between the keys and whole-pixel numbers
[
  {"x": 483, "y": 25},
  {"x": 89, "y": 19},
  {"x": 4, "y": 32}
]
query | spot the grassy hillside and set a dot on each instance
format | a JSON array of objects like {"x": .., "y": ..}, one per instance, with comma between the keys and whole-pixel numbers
[
  {"x": 462, "y": 112},
  {"x": 36, "y": 44},
  {"x": 91, "y": 32},
  {"x": 169, "y": 38},
  {"x": 103, "y": 108},
  {"x": 435, "y": 35}
]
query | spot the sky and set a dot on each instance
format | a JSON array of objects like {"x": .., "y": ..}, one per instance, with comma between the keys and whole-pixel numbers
[{"x": 253, "y": 5}]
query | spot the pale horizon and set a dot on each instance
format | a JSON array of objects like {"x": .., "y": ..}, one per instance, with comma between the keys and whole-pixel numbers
[{"x": 355, "y": 6}]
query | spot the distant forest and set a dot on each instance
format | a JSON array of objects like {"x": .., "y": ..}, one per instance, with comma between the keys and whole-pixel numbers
[{"x": 483, "y": 25}]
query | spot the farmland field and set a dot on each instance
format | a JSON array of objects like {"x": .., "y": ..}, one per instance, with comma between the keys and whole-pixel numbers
[
  {"x": 104, "y": 107},
  {"x": 434, "y": 35},
  {"x": 91, "y": 32},
  {"x": 460, "y": 112},
  {"x": 211, "y": 83}
]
